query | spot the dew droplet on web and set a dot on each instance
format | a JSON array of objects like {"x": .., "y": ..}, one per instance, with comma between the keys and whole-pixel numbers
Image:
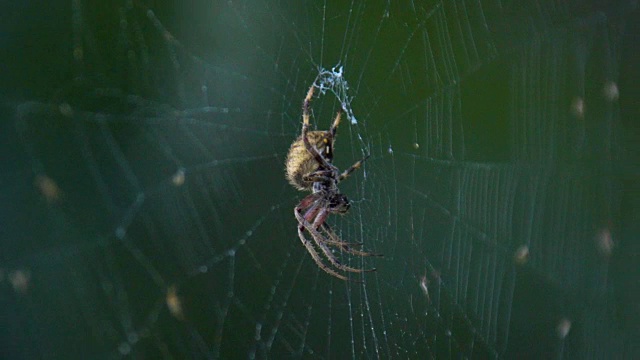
[
  {"x": 521, "y": 255},
  {"x": 563, "y": 328},
  {"x": 578, "y": 107},
  {"x": 178, "y": 178},
  {"x": 610, "y": 91}
]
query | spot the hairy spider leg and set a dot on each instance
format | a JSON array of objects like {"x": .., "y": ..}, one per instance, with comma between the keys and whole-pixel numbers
[
  {"x": 305, "y": 129},
  {"x": 312, "y": 207},
  {"x": 322, "y": 175},
  {"x": 352, "y": 168},
  {"x": 345, "y": 246},
  {"x": 315, "y": 256},
  {"x": 328, "y": 152},
  {"x": 307, "y": 202},
  {"x": 311, "y": 213},
  {"x": 319, "y": 240},
  {"x": 335, "y": 240},
  {"x": 334, "y": 127}
]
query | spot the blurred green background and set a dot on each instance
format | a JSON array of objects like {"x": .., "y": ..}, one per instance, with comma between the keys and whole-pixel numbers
[{"x": 145, "y": 212}]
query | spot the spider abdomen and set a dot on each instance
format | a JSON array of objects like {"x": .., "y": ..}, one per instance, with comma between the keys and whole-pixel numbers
[{"x": 300, "y": 162}]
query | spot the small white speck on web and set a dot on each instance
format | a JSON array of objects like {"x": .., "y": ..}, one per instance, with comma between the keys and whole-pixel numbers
[
  {"x": 390, "y": 150},
  {"x": 337, "y": 74}
]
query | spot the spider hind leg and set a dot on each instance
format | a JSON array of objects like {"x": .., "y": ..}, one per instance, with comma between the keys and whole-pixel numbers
[
  {"x": 321, "y": 242},
  {"x": 316, "y": 257},
  {"x": 334, "y": 240}
]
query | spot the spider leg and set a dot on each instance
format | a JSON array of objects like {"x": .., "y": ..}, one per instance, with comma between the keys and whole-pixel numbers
[
  {"x": 345, "y": 246},
  {"x": 334, "y": 239},
  {"x": 352, "y": 168},
  {"x": 332, "y": 258},
  {"x": 305, "y": 129},
  {"x": 319, "y": 176},
  {"x": 306, "y": 202},
  {"x": 320, "y": 240},
  {"x": 328, "y": 149},
  {"x": 313, "y": 212},
  {"x": 334, "y": 127},
  {"x": 315, "y": 256}
]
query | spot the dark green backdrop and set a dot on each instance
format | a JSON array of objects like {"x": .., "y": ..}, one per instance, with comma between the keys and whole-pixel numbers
[{"x": 144, "y": 211}]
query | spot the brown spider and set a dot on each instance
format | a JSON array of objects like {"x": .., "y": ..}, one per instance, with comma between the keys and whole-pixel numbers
[{"x": 309, "y": 168}]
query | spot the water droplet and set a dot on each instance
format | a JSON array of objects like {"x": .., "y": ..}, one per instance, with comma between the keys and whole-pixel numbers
[
  {"x": 611, "y": 91},
  {"x": 124, "y": 348},
  {"x": 521, "y": 255},
  {"x": 563, "y": 328},
  {"x": 578, "y": 107},
  {"x": 133, "y": 338}
]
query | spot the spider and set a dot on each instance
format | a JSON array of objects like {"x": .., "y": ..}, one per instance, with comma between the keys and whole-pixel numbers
[{"x": 309, "y": 168}]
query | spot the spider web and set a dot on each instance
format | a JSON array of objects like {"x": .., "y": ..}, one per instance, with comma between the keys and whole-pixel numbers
[{"x": 147, "y": 215}]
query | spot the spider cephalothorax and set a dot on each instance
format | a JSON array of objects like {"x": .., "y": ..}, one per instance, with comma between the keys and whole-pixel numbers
[{"x": 309, "y": 168}]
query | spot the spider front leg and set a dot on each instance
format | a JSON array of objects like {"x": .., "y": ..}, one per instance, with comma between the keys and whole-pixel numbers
[
  {"x": 305, "y": 130},
  {"x": 352, "y": 168},
  {"x": 332, "y": 131},
  {"x": 320, "y": 176},
  {"x": 334, "y": 127}
]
